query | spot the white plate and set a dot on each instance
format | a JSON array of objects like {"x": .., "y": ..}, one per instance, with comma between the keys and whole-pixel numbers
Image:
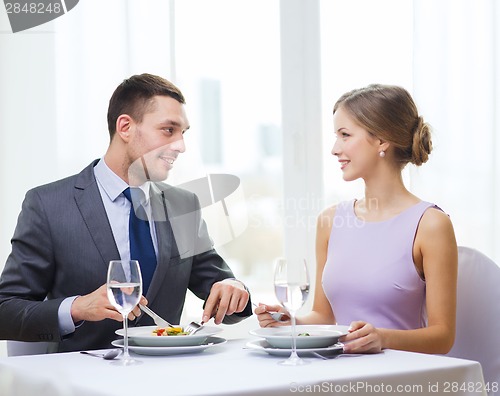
[
  {"x": 264, "y": 346},
  {"x": 165, "y": 351},
  {"x": 320, "y": 336},
  {"x": 144, "y": 336}
]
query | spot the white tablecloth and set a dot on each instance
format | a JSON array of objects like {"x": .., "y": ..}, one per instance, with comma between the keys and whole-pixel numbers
[{"x": 230, "y": 369}]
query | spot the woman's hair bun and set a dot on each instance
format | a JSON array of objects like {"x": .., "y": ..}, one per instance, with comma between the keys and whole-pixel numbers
[{"x": 422, "y": 142}]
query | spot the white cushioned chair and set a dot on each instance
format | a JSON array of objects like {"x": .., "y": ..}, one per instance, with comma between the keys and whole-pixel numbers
[
  {"x": 478, "y": 314},
  {"x": 20, "y": 348}
]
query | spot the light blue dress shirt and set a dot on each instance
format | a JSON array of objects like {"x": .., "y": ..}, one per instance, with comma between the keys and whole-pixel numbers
[{"x": 117, "y": 208}]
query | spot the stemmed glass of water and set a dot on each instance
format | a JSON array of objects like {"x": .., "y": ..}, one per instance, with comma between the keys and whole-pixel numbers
[
  {"x": 124, "y": 286},
  {"x": 291, "y": 286}
]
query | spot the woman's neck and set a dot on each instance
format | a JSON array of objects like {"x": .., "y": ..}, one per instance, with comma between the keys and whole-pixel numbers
[{"x": 385, "y": 198}]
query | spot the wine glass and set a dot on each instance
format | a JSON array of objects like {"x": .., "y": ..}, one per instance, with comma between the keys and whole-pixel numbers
[
  {"x": 291, "y": 286},
  {"x": 124, "y": 286}
]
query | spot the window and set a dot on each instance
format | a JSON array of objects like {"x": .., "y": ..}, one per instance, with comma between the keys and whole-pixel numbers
[
  {"x": 361, "y": 44},
  {"x": 229, "y": 71}
]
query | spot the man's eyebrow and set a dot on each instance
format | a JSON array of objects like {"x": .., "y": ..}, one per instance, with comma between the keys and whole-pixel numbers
[
  {"x": 173, "y": 123},
  {"x": 170, "y": 122}
]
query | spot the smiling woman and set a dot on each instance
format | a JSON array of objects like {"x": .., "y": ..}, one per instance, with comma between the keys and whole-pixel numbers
[{"x": 387, "y": 262}]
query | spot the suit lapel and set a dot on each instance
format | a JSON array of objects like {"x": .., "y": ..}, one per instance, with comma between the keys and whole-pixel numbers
[{"x": 89, "y": 202}]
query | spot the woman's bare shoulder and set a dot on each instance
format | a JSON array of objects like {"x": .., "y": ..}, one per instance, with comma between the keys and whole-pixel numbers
[
  {"x": 436, "y": 234},
  {"x": 435, "y": 220},
  {"x": 328, "y": 213},
  {"x": 325, "y": 220}
]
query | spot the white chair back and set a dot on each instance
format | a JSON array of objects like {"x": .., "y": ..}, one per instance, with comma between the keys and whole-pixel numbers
[
  {"x": 478, "y": 314},
  {"x": 20, "y": 348}
]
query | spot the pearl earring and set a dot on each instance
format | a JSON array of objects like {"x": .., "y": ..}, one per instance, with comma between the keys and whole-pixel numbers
[{"x": 382, "y": 154}]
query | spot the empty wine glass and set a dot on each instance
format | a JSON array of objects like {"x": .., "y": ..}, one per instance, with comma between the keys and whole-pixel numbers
[
  {"x": 291, "y": 286},
  {"x": 124, "y": 286}
]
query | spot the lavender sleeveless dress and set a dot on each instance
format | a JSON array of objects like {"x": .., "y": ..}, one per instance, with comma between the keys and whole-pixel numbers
[{"x": 369, "y": 274}]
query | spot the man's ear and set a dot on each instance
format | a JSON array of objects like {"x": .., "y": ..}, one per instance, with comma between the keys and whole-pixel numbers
[{"x": 123, "y": 125}]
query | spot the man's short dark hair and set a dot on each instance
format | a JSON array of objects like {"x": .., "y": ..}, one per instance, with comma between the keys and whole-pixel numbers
[{"x": 135, "y": 97}]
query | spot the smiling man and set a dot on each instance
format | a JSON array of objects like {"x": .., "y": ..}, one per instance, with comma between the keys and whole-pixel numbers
[
  {"x": 53, "y": 284},
  {"x": 147, "y": 116}
]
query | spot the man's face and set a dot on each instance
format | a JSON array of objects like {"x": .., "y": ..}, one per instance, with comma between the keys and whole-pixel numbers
[{"x": 156, "y": 141}]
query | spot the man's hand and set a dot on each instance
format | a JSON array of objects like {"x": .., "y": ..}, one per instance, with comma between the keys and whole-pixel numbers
[
  {"x": 226, "y": 297},
  {"x": 95, "y": 306}
]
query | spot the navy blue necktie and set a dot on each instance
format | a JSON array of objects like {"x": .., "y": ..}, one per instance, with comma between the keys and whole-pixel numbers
[{"x": 141, "y": 244}]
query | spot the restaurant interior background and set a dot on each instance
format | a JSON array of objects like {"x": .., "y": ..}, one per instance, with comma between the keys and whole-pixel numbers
[{"x": 260, "y": 78}]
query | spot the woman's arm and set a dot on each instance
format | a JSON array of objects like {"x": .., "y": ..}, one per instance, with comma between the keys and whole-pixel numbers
[
  {"x": 435, "y": 250},
  {"x": 321, "y": 312}
]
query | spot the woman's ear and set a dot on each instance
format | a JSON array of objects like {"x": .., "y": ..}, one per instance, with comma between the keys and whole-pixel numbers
[
  {"x": 383, "y": 145},
  {"x": 123, "y": 125}
]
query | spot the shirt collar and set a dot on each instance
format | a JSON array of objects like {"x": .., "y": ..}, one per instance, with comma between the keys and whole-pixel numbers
[{"x": 112, "y": 184}]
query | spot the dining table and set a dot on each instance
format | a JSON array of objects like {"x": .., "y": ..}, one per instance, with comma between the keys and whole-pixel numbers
[{"x": 232, "y": 368}]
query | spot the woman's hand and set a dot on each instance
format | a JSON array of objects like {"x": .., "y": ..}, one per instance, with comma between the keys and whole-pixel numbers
[
  {"x": 362, "y": 338},
  {"x": 265, "y": 319}
]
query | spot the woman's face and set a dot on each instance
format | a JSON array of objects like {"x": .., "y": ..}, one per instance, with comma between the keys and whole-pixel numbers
[{"x": 356, "y": 149}]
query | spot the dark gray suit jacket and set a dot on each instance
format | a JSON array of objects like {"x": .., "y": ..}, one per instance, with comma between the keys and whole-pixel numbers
[{"x": 62, "y": 246}]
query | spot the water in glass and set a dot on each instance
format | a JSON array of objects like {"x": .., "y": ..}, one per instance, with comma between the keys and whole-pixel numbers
[
  {"x": 291, "y": 286},
  {"x": 124, "y": 287}
]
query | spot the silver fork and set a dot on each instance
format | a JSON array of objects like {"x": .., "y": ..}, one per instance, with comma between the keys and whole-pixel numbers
[
  {"x": 193, "y": 328},
  {"x": 159, "y": 321},
  {"x": 333, "y": 356}
]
